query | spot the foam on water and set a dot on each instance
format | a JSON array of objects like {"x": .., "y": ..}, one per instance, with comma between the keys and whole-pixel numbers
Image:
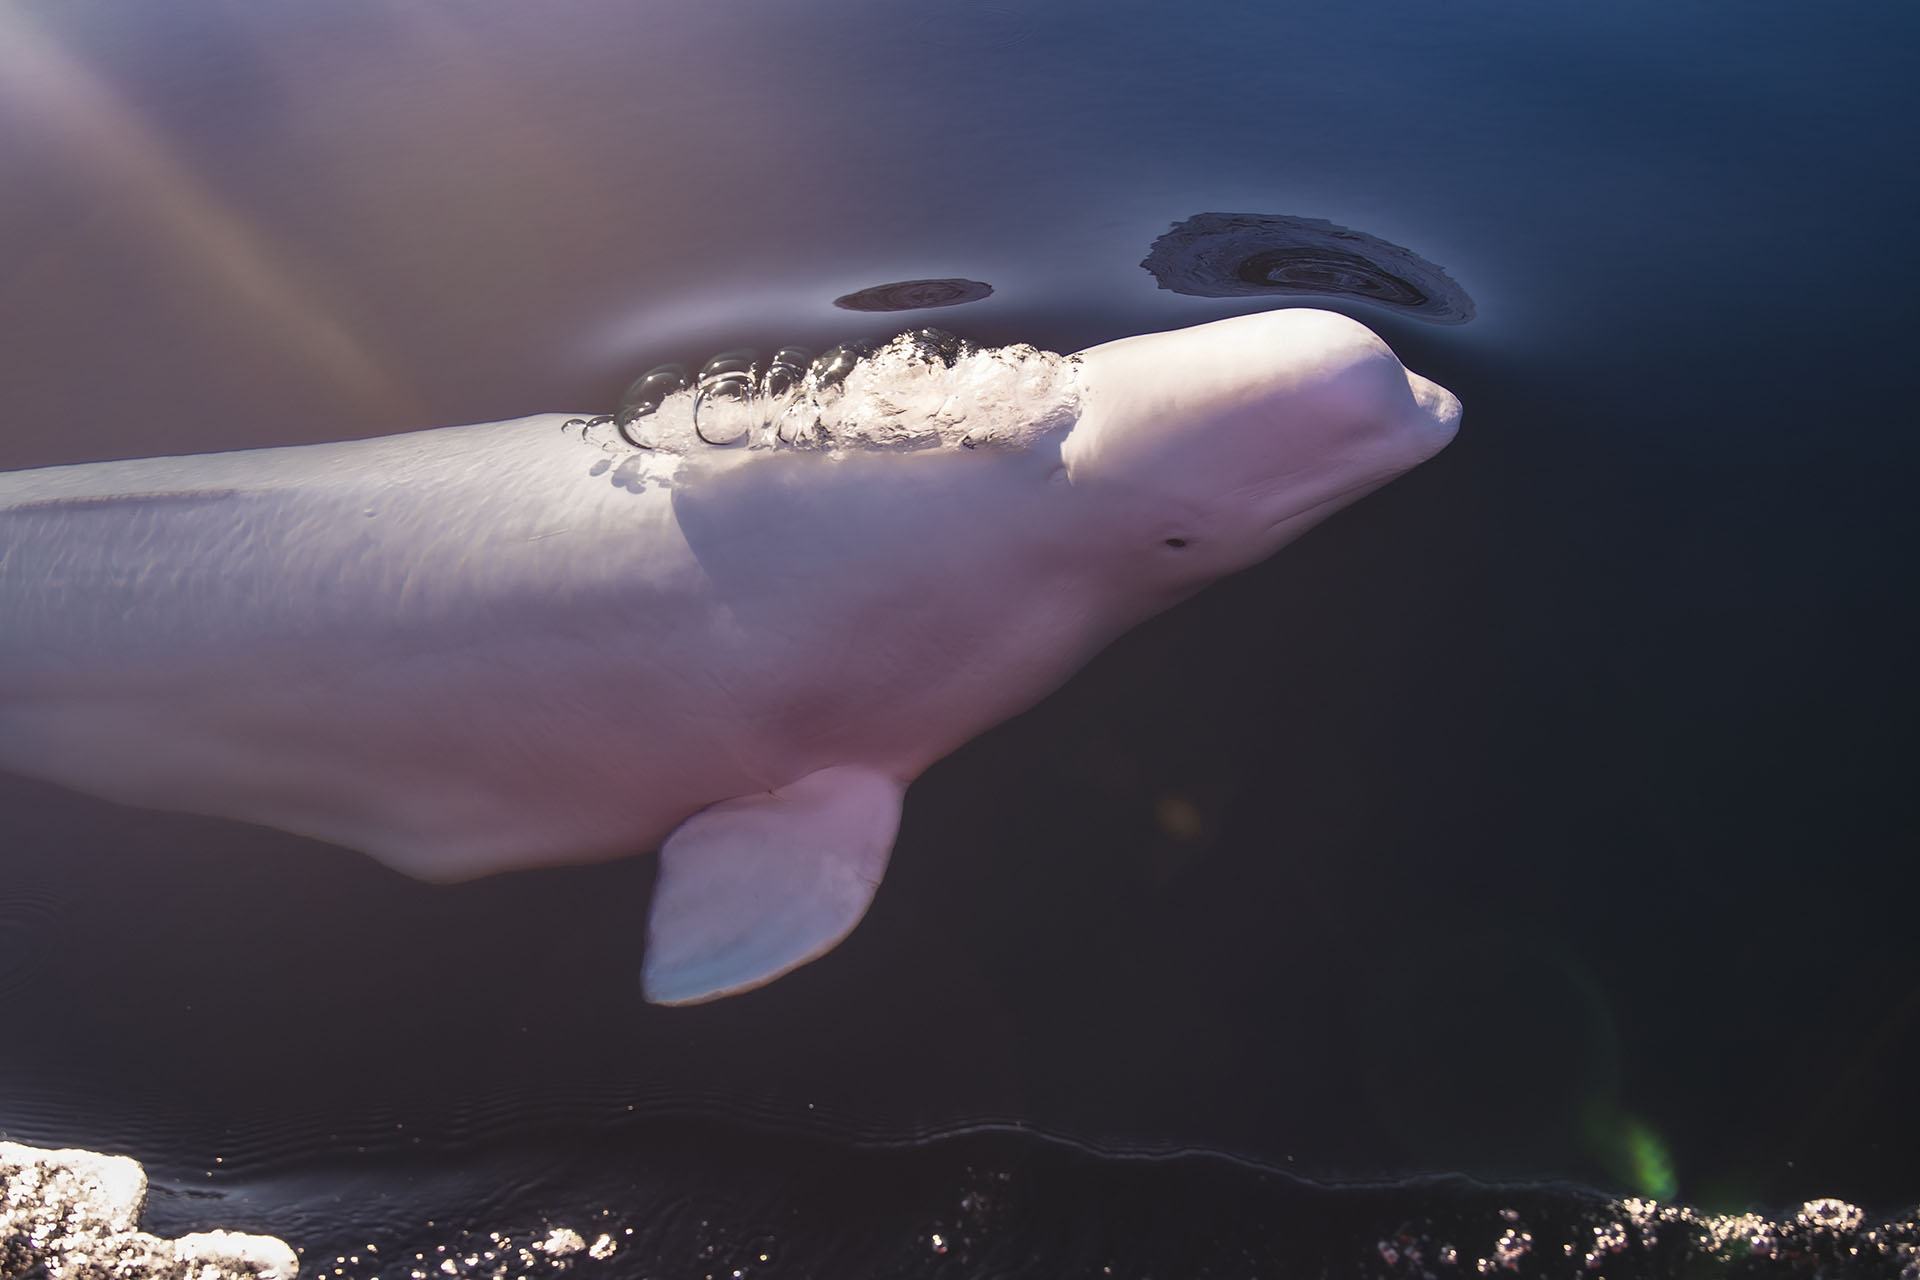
[
  {"x": 922, "y": 390},
  {"x": 716, "y": 1201},
  {"x": 74, "y": 1214}
]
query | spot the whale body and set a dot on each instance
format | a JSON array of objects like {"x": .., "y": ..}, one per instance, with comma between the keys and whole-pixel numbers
[{"x": 550, "y": 640}]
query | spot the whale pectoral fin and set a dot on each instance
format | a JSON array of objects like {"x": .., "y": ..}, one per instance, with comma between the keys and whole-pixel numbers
[{"x": 753, "y": 887}]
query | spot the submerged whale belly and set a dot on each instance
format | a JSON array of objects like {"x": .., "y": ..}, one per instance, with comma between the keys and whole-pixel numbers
[
  {"x": 472, "y": 649},
  {"x": 442, "y": 765},
  {"x": 422, "y": 647}
]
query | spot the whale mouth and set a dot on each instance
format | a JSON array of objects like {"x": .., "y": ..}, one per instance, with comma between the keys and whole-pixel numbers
[
  {"x": 1343, "y": 497},
  {"x": 925, "y": 389},
  {"x": 1443, "y": 410}
]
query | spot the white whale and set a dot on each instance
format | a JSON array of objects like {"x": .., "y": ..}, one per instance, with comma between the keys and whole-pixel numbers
[{"x": 479, "y": 648}]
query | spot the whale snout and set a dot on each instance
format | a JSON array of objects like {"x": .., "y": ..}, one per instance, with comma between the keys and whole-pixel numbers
[
  {"x": 1244, "y": 432},
  {"x": 1441, "y": 407}
]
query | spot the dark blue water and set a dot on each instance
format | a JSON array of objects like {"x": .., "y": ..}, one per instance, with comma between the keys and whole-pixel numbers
[{"x": 1546, "y": 817}]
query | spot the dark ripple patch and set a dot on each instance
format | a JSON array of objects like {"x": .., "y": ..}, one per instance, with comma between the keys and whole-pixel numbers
[
  {"x": 914, "y": 295},
  {"x": 29, "y": 915},
  {"x": 1249, "y": 255},
  {"x": 680, "y": 1198},
  {"x": 178, "y": 1136}
]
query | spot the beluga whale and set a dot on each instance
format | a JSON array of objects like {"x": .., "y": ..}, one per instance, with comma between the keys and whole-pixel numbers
[{"x": 731, "y": 622}]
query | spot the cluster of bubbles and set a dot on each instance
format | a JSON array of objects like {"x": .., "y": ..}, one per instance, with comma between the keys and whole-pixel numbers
[
  {"x": 29, "y": 919},
  {"x": 737, "y": 398}
]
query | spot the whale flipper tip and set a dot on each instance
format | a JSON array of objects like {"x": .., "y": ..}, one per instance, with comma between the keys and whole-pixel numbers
[{"x": 758, "y": 885}]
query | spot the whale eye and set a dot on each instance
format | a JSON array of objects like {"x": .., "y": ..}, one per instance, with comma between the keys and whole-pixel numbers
[{"x": 1176, "y": 542}]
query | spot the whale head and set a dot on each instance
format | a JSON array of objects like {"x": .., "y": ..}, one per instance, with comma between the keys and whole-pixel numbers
[{"x": 1206, "y": 449}]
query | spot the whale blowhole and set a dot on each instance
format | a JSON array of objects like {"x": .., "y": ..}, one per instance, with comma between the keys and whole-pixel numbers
[{"x": 1251, "y": 255}]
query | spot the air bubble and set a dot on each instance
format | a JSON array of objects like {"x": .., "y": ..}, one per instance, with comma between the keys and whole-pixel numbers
[
  {"x": 782, "y": 393},
  {"x": 645, "y": 394},
  {"x": 831, "y": 369},
  {"x": 937, "y": 344},
  {"x": 647, "y": 391},
  {"x": 723, "y": 411},
  {"x": 786, "y": 373}
]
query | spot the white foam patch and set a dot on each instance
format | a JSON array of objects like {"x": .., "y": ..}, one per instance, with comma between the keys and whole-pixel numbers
[
  {"x": 73, "y": 1213},
  {"x": 1000, "y": 397},
  {"x": 901, "y": 397}
]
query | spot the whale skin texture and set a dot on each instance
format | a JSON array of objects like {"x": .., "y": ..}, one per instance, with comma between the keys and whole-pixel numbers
[{"x": 732, "y": 628}]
